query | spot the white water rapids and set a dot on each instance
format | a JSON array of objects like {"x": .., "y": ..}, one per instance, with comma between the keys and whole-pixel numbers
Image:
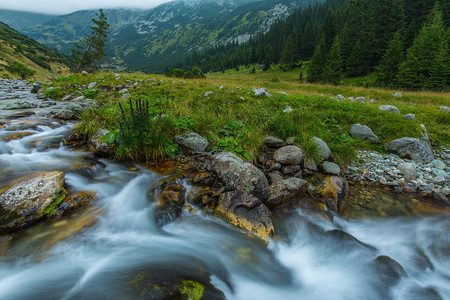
[{"x": 312, "y": 257}]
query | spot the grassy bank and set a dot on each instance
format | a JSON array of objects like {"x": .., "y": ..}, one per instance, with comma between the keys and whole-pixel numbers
[{"x": 231, "y": 117}]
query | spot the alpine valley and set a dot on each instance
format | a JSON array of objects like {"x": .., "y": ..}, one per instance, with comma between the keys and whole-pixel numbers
[{"x": 150, "y": 40}]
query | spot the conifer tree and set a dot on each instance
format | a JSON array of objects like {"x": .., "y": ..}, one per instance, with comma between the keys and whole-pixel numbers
[
  {"x": 386, "y": 73},
  {"x": 317, "y": 62},
  {"x": 90, "y": 49},
  {"x": 332, "y": 70},
  {"x": 427, "y": 57}
]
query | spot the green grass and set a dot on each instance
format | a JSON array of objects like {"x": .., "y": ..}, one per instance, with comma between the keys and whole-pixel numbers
[{"x": 233, "y": 119}]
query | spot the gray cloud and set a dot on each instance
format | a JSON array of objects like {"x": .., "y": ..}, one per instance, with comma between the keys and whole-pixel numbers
[{"x": 68, "y": 6}]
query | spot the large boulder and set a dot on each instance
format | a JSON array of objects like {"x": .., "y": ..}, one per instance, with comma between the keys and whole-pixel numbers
[
  {"x": 412, "y": 148},
  {"x": 30, "y": 198},
  {"x": 192, "y": 141},
  {"x": 96, "y": 144},
  {"x": 363, "y": 132},
  {"x": 324, "y": 150},
  {"x": 285, "y": 191},
  {"x": 246, "y": 211},
  {"x": 236, "y": 174},
  {"x": 288, "y": 155}
]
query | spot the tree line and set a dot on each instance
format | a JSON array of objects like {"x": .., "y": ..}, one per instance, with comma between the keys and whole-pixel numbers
[{"x": 405, "y": 43}]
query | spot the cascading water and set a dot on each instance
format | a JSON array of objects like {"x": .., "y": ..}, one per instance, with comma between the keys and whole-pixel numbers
[{"x": 115, "y": 250}]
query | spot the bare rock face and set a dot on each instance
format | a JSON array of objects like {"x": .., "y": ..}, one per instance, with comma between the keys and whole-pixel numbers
[
  {"x": 30, "y": 198},
  {"x": 285, "y": 191},
  {"x": 247, "y": 212},
  {"x": 236, "y": 174},
  {"x": 412, "y": 148}
]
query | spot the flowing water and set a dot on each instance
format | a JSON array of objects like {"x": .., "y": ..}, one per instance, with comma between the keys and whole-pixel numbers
[{"x": 115, "y": 250}]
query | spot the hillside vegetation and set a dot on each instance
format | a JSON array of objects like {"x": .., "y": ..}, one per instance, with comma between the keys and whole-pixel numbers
[
  {"x": 21, "y": 56},
  {"x": 224, "y": 109}
]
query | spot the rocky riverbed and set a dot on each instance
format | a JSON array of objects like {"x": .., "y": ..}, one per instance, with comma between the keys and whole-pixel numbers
[{"x": 129, "y": 230}]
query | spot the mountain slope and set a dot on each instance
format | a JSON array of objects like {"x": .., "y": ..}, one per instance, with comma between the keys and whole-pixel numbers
[
  {"x": 153, "y": 39},
  {"x": 17, "y": 48}
]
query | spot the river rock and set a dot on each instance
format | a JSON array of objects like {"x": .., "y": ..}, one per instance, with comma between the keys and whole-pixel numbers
[
  {"x": 65, "y": 114},
  {"x": 330, "y": 168},
  {"x": 410, "y": 117},
  {"x": 363, "y": 132},
  {"x": 192, "y": 141},
  {"x": 285, "y": 192},
  {"x": 288, "y": 155},
  {"x": 30, "y": 198},
  {"x": 274, "y": 178},
  {"x": 438, "y": 164},
  {"x": 408, "y": 170},
  {"x": 236, "y": 174},
  {"x": 20, "y": 104},
  {"x": 74, "y": 201},
  {"x": 169, "y": 203},
  {"x": 412, "y": 148},
  {"x": 262, "y": 92},
  {"x": 322, "y": 147},
  {"x": 390, "y": 270},
  {"x": 97, "y": 145},
  {"x": 445, "y": 108},
  {"x": 438, "y": 172},
  {"x": 332, "y": 190},
  {"x": 339, "y": 97},
  {"x": 290, "y": 169},
  {"x": 273, "y": 142},
  {"x": 36, "y": 87},
  {"x": 390, "y": 108},
  {"x": 246, "y": 211}
]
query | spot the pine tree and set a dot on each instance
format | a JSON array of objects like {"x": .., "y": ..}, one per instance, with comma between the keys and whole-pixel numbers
[
  {"x": 425, "y": 59},
  {"x": 90, "y": 49},
  {"x": 386, "y": 73},
  {"x": 332, "y": 70},
  {"x": 317, "y": 62},
  {"x": 288, "y": 56}
]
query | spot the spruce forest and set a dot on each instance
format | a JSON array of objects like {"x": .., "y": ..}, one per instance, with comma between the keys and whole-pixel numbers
[{"x": 399, "y": 43}]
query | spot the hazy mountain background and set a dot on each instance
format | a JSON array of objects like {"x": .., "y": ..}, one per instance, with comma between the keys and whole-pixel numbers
[{"x": 150, "y": 40}]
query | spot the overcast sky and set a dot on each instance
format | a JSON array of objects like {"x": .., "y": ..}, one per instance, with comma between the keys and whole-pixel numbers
[{"x": 68, "y": 6}]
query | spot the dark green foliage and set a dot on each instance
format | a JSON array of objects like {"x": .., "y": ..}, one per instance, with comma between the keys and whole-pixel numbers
[
  {"x": 332, "y": 70},
  {"x": 386, "y": 73},
  {"x": 145, "y": 132},
  {"x": 20, "y": 69},
  {"x": 195, "y": 72},
  {"x": 426, "y": 65},
  {"x": 317, "y": 62},
  {"x": 90, "y": 49},
  {"x": 177, "y": 73}
]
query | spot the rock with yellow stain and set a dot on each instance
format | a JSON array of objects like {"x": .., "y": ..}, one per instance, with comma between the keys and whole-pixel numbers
[
  {"x": 247, "y": 212},
  {"x": 169, "y": 203},
  {"x": 18, "y": 135},
  {"x": 331, "y": 190},
  {"x": 74, "y": 201}
]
